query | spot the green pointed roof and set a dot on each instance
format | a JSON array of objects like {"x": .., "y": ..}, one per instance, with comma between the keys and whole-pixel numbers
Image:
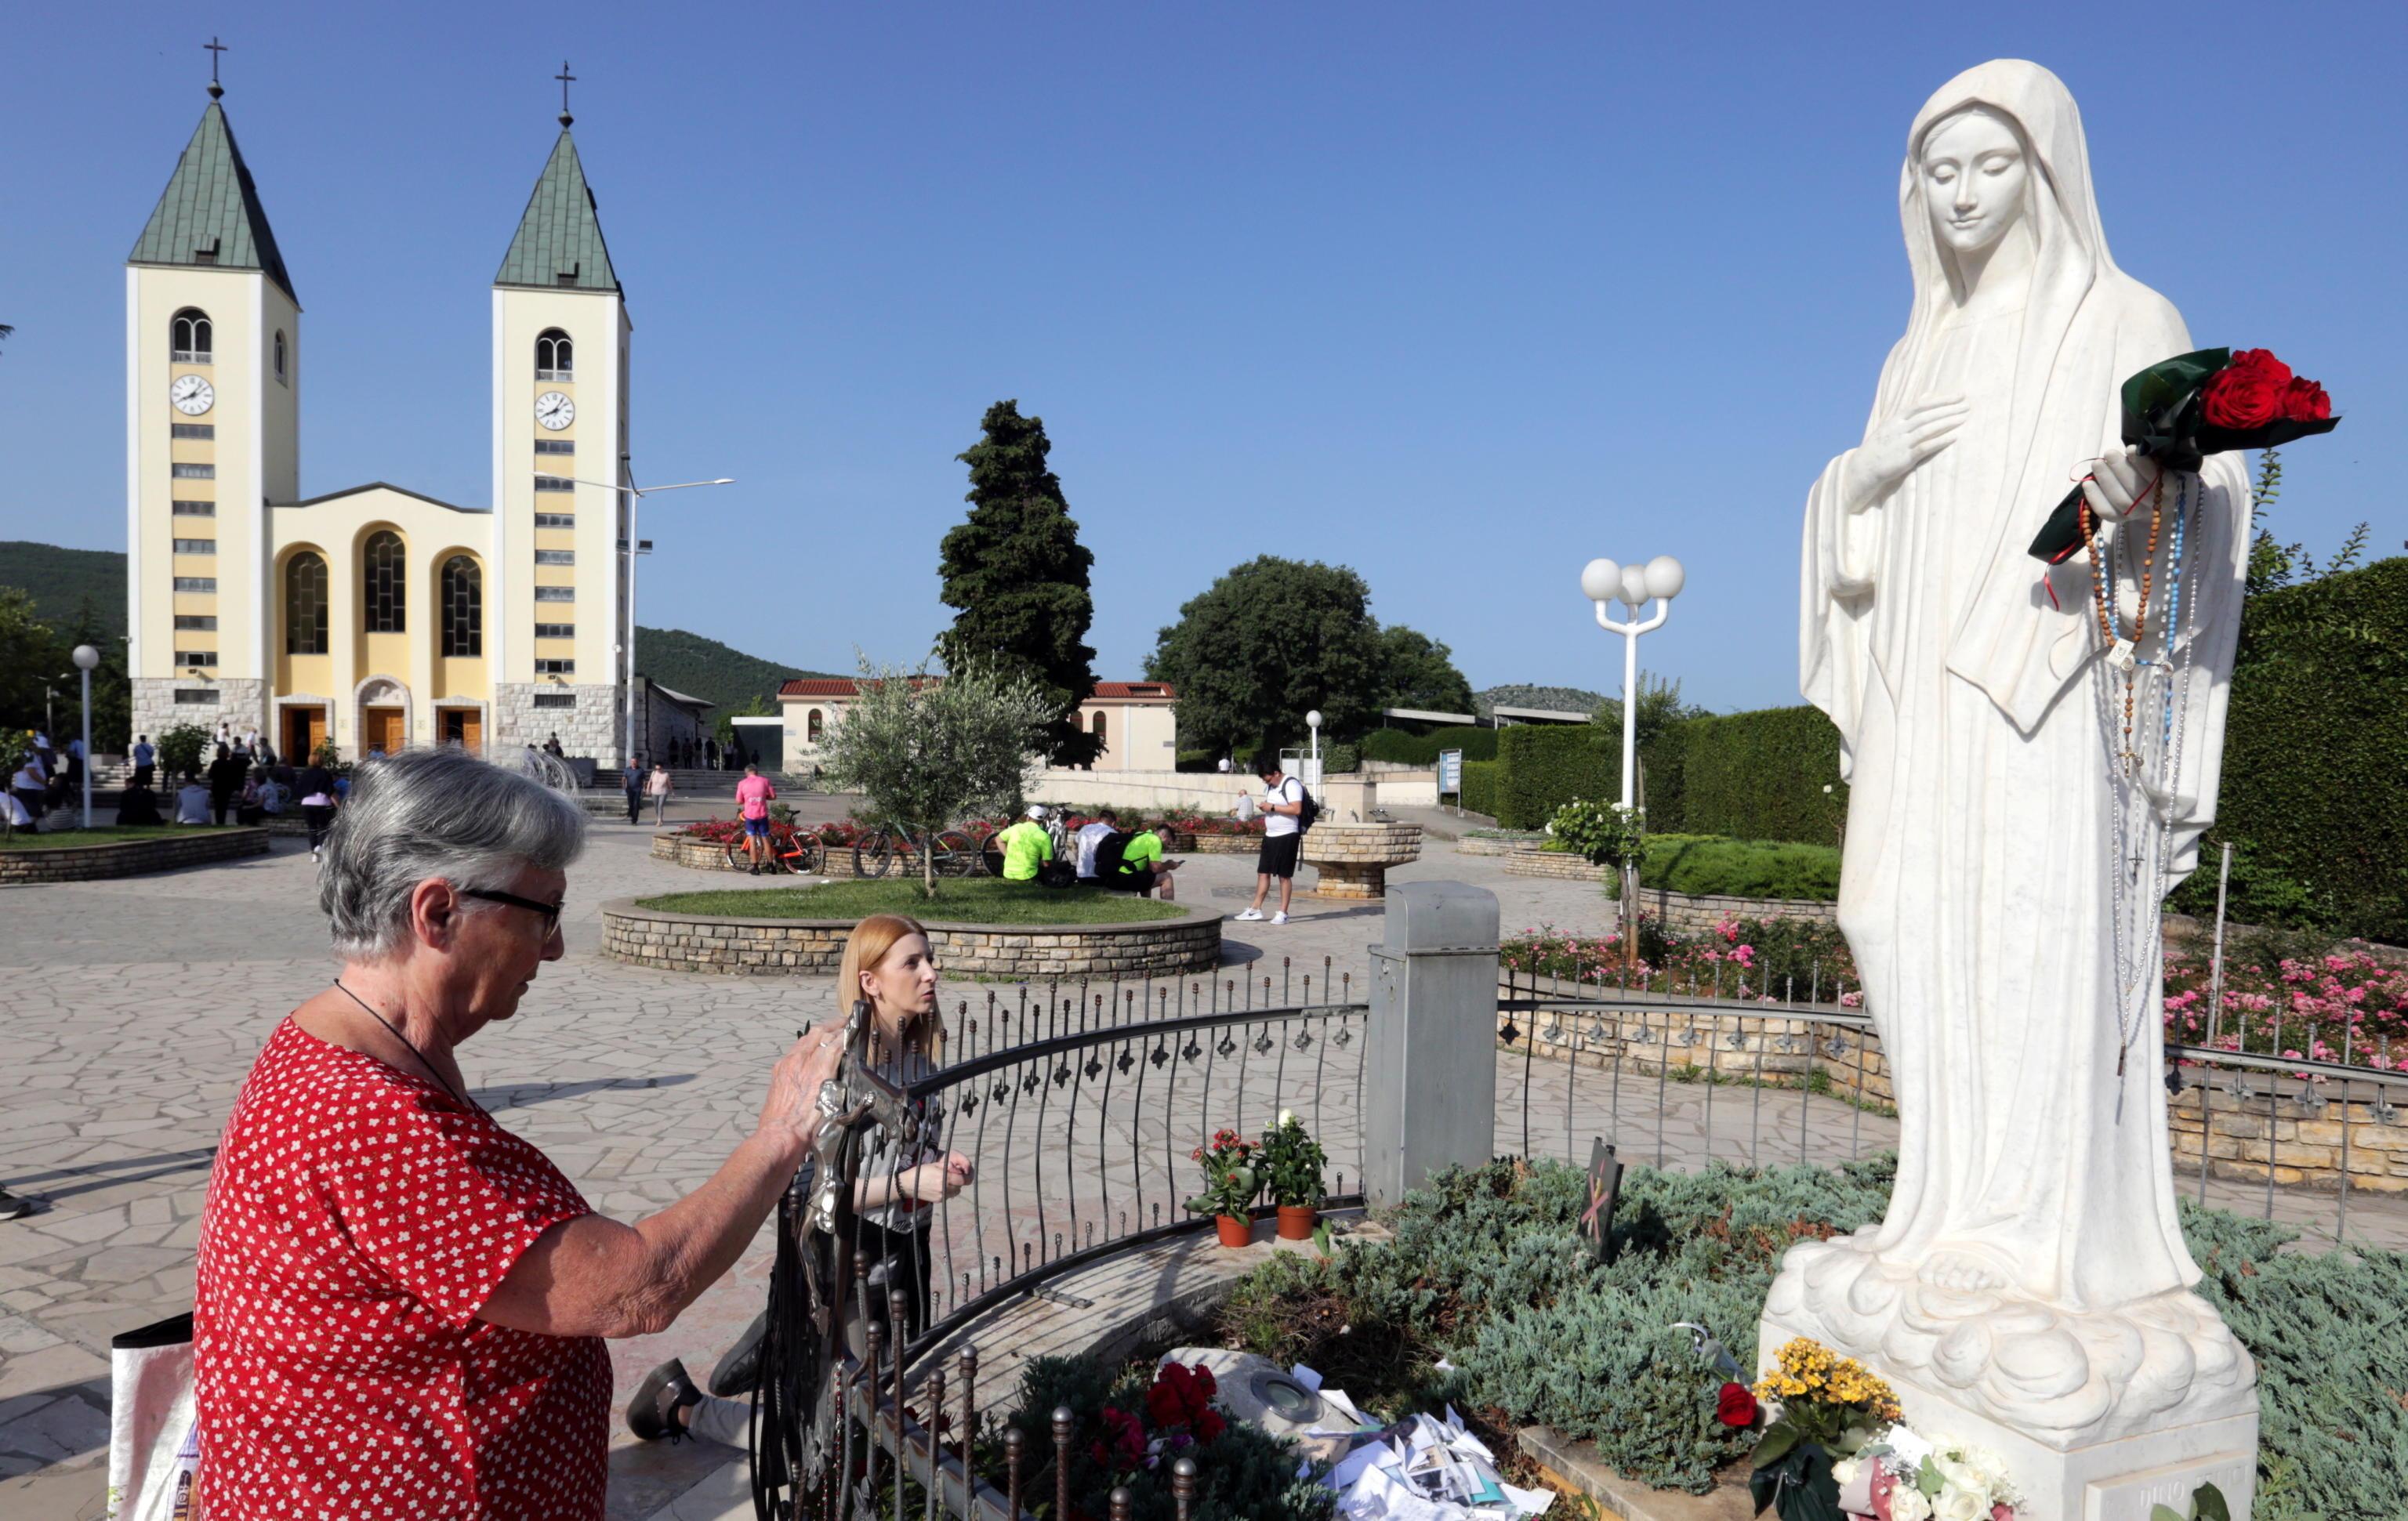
[
  {"x": 210, "y": 213},
  {"x": 559, "y": 242}
]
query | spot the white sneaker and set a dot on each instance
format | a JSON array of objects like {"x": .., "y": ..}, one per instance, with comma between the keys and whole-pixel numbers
[
  {"x": 1252, "y": 914},
  {"x": 1278, "y": 918}
]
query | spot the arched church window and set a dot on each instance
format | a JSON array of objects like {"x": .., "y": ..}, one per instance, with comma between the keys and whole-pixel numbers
[
  {"x": 463, "y": 607},
  {"x": 189, "y": 336},
  {"x": 1097, "y": 730},
  {"x": 813, "y": 721},
  {"x": 555, "y": 358},
  {"x": 383, "y": 583},
  {"x": 304, "y": 604},
  {"x": 280, "y": 354}
]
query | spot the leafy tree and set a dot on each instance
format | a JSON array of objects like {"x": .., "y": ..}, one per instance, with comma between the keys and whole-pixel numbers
[
  {"x": 758, "y": 708},
  {"x": 928, "y": 750},
  {"x": 182, "y": 748},
  {"x": 112, "y": 694},
  {"x": 1017, "y": 574},
  {"x": 2273, "y": 565},
  {"x": 28, "y": 652},
  {"x": 1266, "y": 643},
  {"x": 1421, "y": 672},
  {"x": 1659, "y": 708}
]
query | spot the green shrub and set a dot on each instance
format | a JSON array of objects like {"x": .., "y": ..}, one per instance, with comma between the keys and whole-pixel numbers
[
  {"x": 1484, "y": 1270},
  {"x": 1480, "y": 787},
  {"x": 1751, "y": 776},
  {"x": 1395, "y": 744},
  {"x": 2315, "y": 793},
  {"x": 1545, "y": 766},
  {"x": 1706, "y": 865}
]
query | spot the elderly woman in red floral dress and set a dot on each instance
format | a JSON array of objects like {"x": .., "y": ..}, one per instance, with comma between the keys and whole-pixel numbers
[{"x": 401, "y": 1304}]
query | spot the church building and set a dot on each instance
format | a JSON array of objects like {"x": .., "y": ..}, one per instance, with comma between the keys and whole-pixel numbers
[{"x": 376, "y": 618}]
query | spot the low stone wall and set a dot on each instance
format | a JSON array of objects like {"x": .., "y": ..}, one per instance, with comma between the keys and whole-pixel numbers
[
  {"x": 131, "y": 858},
  {"x": 806, "y": 947},
  {"x": 700, "y": 855},
  {"x": 1686, "y": 914},
  {"x": 1561, "y": 865},
  {"x": 1224, "y": 844},
  {"x": 1472, "y": 846},
  {"x": 2296, "y": 1131}
]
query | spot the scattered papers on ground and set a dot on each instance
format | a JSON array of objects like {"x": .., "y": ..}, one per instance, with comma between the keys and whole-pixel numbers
[{"x": 1422, "y": 1468}]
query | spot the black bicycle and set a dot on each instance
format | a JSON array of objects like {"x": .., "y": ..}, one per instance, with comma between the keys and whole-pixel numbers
[{"x": 874, "y": 854}]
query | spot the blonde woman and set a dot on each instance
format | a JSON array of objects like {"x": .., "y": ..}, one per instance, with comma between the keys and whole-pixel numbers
[{"x": 888, "y": 965}]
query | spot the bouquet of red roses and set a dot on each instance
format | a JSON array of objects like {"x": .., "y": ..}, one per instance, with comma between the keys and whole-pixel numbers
[{"x": 2180, "y": 410}]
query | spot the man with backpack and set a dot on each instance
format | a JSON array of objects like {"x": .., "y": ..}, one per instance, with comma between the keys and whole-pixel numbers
[
  {"x": 1134, "y": 864},
  {"x": 1288, "y": 810}
]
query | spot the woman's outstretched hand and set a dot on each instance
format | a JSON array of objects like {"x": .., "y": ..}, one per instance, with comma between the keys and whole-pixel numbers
[
  {"x": 791, "y": 1108},
  {"x": 2117, "y": 482}
]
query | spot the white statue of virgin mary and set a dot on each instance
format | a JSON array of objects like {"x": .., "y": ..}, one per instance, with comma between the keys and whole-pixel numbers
[{"x": 2006, "y": 861}]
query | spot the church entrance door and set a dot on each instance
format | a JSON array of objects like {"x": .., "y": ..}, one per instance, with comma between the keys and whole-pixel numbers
[
  {"x": 304, "y": 729},
  {"x": 462, "y": 726},
  {"x": 381, "y": 729}
]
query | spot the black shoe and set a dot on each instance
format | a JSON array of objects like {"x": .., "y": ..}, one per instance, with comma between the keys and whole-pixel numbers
[
  {"x": 756, "y": 868},
  {"x": 739, "y": 1370},
  {"x": 651, "y": 1415}
]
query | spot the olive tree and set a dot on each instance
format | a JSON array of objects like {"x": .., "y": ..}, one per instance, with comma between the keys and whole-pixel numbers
[{"x": 926, "y": 750}]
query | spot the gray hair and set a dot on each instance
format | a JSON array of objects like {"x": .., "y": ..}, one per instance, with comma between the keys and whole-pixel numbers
[{"x": 434, "y": 812}]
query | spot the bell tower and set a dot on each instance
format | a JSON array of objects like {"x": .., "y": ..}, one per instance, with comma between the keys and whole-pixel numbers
[
  {"x": 212, "y": 413},
  {"x": 560, "y": 337}
]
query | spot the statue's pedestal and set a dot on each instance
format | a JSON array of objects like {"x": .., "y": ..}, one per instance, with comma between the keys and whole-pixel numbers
[{"x": 2115, "y": 1480}]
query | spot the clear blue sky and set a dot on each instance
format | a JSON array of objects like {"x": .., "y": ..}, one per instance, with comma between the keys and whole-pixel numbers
[{"x": 1460, "y": 295}]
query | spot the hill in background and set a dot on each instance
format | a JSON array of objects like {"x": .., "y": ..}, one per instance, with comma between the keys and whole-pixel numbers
[
  {"x": 1561, "y": 699},
  {"x": 61, "y": 581},
  {"x": 704, "y": 668}
]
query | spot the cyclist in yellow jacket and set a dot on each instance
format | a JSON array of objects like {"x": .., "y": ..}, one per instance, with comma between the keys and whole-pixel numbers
[{"x": 1026, "y": 847}]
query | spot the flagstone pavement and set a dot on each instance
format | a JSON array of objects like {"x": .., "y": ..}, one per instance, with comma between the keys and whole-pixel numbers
[{"x": 131, "y": 1010}]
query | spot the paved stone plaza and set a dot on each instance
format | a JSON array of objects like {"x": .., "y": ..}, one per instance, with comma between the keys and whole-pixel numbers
[{"x": 133, "y": 1009}]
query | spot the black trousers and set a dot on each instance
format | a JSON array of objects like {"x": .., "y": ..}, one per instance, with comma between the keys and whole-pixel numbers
[
  {"x": 897, "y": 1259},
  {"x": 635, "y": 806},
  {"x": 319, "y": 817}
]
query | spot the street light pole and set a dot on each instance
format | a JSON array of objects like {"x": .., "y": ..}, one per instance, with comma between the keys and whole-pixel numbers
[
  {"x": 86, "y": 657},
  {"x": 626, "y": 483},
  {"x": 1313, "y": 722},
  {"x": 1604, "y": 582}
]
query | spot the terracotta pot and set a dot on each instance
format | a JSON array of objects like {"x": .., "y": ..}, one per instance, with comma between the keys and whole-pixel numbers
[
  {"x": 1296, "y": 1221},
  {"x": 1236, "y": 1229}
]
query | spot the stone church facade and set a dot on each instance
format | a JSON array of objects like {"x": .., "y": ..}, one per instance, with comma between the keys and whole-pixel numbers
[{"x": 373, "y": 617}]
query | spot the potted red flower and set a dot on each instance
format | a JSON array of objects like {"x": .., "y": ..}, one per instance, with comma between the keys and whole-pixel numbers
[{"x": 1230, "y": 1183}]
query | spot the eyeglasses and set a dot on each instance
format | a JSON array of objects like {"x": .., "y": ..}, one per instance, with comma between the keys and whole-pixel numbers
[{"x": 550, "y": 912}]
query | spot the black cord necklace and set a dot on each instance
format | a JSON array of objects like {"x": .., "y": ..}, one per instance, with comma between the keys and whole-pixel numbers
[{"x": 405, "y": 1040}]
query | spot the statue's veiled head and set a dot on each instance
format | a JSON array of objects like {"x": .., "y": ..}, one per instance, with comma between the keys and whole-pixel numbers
[{"x": 1974, "y": 169}]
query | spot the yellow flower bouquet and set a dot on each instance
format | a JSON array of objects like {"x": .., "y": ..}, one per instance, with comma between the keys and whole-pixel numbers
[{"x": 1823, "y": 1408}]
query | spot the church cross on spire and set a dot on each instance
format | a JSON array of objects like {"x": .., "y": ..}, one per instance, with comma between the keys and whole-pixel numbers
[
  {"x": 565, "y": 79},
  {"x": 215, "y": 48}
]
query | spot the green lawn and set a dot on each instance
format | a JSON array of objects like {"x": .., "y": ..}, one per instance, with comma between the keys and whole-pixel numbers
[
  {"x": 980, "y": 899},
  {"x": 100, "y": 834}
]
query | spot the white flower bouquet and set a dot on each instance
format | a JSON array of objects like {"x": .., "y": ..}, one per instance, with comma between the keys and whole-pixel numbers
[{"x": 1900, "y": 1475}]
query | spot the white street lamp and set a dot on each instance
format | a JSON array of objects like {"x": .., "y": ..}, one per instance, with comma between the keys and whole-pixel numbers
[
  {"x": 1313, "y": 721},
  {"x": 632, "y": 545},
  {"x": 1605, "y": 582},
  {"x": 86, "y": 657}
]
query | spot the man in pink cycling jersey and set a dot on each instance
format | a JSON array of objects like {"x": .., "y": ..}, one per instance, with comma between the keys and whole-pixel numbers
[{"x": 753, "y": 795}]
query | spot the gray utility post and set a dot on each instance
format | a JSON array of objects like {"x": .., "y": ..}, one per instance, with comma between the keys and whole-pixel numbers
[{"x": 1429, "y": 1095}]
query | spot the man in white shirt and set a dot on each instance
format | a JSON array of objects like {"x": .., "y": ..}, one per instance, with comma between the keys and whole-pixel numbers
[
  {"x": 1282, "y": 838},
  {"x": 1092, "y": 834}
]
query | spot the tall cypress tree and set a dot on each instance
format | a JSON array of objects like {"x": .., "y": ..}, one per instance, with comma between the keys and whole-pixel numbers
[{"x": 1017, "y": 575}]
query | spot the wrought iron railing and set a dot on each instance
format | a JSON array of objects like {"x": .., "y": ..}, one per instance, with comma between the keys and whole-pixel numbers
[{"x": 1080, "y": 1117}]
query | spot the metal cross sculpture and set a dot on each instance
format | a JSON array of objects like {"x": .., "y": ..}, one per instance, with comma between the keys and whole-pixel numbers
[
  {"x": 566, "y": 80},
  {"x": 214, "y": 47}
]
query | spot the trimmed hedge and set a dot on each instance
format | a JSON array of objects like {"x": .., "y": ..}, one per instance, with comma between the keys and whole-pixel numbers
[
  {"x": 1544, "y": 766},
  {"x": 1704, "y": 866},
  {"x": 2315, "y": 795},
  {"x": 1480, "y": 787},
  {"x": 1751, "y": 776},
  {"x": 1397, "y": 746}
]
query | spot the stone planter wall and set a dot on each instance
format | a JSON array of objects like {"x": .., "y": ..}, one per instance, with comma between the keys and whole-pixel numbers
[
  {"x": 809, "y": 947},
  {"x": 1355, "y": 859},
  {"x": 1561, "y": 865},
  {"x": 2296, "y": 1131},
  {"x": 1685, "y": 914},
  {"x": 1471, "y": 845},
  {"x": 131, "y": 858},
  {"x": 1224, "y": 844},
  {"x": 702, "y": 855}
]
